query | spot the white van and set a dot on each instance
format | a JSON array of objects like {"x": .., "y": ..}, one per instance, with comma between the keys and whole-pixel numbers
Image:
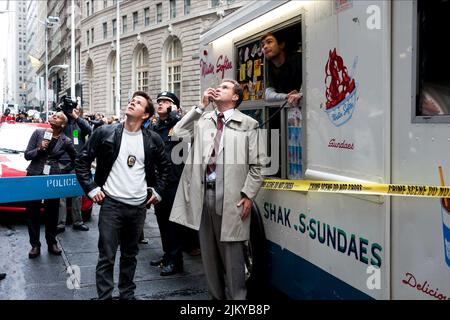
[{"x": 391, "y": 126}]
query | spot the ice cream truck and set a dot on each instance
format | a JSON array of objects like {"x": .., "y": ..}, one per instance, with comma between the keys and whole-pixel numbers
[{"x": 375, "y": 110}]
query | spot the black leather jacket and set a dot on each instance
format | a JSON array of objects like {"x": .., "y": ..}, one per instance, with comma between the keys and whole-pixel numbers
[{"x": 104, "y": 145}]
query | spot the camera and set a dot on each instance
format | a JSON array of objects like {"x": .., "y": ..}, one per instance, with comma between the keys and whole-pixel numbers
[{"x": 67, "y": 105}]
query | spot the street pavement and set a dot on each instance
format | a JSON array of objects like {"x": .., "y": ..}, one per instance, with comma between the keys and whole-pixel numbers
[{"x": 48, "y": 277}]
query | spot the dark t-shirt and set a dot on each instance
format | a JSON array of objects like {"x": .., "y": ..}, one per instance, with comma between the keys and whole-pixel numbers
[{"x": 288, "y": 76}]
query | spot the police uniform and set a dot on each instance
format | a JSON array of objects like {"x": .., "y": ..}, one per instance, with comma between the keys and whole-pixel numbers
[
  {"x": 165, "y": 128},
  {"x": 172, "y": 260}
]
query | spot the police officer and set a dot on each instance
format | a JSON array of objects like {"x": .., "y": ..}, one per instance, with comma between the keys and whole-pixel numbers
[{"x": 172, "y": 260}]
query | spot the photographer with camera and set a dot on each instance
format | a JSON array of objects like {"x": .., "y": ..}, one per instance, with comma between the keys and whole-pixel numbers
[{"x": 76, "y": 129}]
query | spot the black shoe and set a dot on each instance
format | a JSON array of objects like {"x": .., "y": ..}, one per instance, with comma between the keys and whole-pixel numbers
[
  {"x": 171, "y": 269},
  {"x": 81, "y": 227},
  {"x": 2, "y": 276},
  {"x": 53, "y": 249},
  {"x": 158, "y": 263},
  {"x": 34, "y": 252}
]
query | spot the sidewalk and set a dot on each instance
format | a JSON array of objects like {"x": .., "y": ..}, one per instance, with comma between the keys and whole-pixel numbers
[{"x": 46, "y": 277}]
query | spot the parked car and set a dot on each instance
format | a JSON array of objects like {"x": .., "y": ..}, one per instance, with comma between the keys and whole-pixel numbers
[{"x": 13, "y": 143}]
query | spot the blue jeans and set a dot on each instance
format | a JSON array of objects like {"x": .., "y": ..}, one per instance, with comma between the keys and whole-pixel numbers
[{"x": 119, "y": 223}]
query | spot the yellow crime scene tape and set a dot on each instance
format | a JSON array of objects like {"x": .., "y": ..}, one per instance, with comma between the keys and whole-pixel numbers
[{"x": 377, "y": 189}]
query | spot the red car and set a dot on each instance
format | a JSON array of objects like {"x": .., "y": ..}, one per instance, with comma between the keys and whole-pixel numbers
[{"x": 13, "y": 143}]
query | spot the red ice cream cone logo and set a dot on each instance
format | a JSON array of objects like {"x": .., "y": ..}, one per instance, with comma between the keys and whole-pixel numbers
[{"x": 340, "y": 90}]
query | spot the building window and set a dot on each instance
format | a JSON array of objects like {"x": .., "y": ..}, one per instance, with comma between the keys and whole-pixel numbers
[
  {"x": 135, "y": 20},
  {"x": 142, "y": 70},
  {"x": 87, "y": 37},
  {"x": 114, "y": 2},
  {"x": 173, "y": 9},
  {"x": 124, "y": 24},
  {"x": 187, "y": 7},
  {"x": 105, "y": 30},
  {"x": 159, "y": 12},
  {"x": 173, "y": 66},
  {"x": 92, "y": 7},
  {"x": 92, "y": 35},
  {"x": 87, "y": 9},
  {"x": 105, "y": 3},
  {"x": 432, "y": 78},
  {"x": 114, "y": 27},
  {"x": 146, "y": 16}
]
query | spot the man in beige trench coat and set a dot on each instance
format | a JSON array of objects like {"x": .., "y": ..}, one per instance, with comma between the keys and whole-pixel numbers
[{"x": 220, "y": 180}]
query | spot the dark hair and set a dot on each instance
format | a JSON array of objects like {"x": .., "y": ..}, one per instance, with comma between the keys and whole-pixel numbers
[
  {"x": 279, "y": 36},
  {"x": 150, "y": 109},
  {"x": 237, "y": 90}
]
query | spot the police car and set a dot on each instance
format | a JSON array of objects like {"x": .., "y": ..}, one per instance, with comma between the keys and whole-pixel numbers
[{"x": 13, "y": 143}]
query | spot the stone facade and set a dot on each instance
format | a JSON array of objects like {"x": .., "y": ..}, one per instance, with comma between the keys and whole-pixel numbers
[{"x": 155, "y": 39}]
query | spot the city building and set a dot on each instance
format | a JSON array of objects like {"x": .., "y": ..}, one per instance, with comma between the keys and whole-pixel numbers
[
  {"x": 159, "y": 48},
  {"x": 20, "y": 66},
  {"x": 14, "y": 91},
  {"x": 32, "y": 83}
]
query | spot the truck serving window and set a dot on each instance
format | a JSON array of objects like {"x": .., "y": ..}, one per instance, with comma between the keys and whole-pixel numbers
[
  {"x": 253, "y": 75},
  {"x": 433, "y": 62}
]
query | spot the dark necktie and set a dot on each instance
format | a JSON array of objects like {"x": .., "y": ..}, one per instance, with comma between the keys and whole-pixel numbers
[{"x": 212, "y": 161}]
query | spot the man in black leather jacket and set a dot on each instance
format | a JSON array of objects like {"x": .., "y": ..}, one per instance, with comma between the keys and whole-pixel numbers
[{"x": 130, "y": 161}]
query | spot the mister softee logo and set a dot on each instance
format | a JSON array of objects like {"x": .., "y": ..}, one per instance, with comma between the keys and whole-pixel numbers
[{"x": 341, "y": 89}]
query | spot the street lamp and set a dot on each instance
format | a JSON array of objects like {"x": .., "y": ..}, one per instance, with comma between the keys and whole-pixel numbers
[
  {"x": 56, "y": 66},
  {"x": 49, "y": 23}
]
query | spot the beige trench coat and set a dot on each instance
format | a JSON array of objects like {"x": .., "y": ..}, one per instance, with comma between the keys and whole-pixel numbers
[{"x": 238, "y": 170}]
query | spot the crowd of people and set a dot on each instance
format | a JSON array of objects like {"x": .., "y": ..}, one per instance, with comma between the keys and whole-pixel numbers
[
  {"x": 202, "y": 203},
  {"x": 125, "y": 171},
  {"x": 21, "y": 116}
]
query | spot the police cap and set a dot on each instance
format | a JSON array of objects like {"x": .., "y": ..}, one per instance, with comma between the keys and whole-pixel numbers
[{"x": 167, "y": 95}]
